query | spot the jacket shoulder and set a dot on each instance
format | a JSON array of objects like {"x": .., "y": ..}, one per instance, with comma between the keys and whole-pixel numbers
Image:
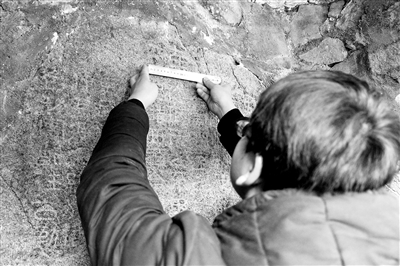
[{"x": 294, "y": 227}]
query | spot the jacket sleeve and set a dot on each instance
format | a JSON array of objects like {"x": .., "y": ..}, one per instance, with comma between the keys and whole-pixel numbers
[
  {"x": 122, "y": 217},
  {"x": 227, "y": 128}
]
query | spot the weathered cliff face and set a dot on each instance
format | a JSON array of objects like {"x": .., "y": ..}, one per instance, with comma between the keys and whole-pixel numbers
[{"x": 65, "y": 63}]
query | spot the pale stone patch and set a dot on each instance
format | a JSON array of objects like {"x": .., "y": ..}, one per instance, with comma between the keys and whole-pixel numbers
[
  {"x": 208, "y": 38},
  {"x": 68, "y": 9},
  {"x": 335, "y": 9},
  {"x": 55, "y": 38},
  {"x": 231, "y": 11},
  {"x": 397, "y": 99},
  {"x": 55, "y": 2},
  {"x": 282, "y": 3},
  {"x": 321, "y": 2}
]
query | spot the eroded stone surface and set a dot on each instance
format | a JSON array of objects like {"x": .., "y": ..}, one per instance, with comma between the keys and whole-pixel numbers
[
  {"x": 355, "y": 64},
  {"x": 321, "y": 1},
  {"x": 350, "y": 15},
  {"x": 306, "y": 22},
  {"x": 335, "y": 9},
  {"x": 68, "y": 88},
  {"x": 386, "y": 61},
  {"x": 65, "y": 64},
  {"x": 329, "y": 51},
  {"x": 265, "y": 38},
  {"x": 55, "y": 2},
  {"x": 230, "y": 12},
  {"x": 385, "y": 30},
  {"x": 282, "y": 3}
]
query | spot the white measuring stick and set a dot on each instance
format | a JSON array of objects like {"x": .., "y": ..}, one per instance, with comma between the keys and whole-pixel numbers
[{"x": 181, "y": 74}]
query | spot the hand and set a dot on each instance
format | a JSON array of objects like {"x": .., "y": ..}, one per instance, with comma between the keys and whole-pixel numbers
[
  {"x": 143, "y": 89},
  {"x": 217, "y": 97}
]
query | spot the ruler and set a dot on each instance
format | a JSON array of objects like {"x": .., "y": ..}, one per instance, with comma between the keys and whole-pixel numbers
[{"x": 181, "y": 74}]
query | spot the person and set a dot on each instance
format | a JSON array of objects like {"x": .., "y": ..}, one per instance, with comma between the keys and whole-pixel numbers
[{"x": 310, "y": 163}]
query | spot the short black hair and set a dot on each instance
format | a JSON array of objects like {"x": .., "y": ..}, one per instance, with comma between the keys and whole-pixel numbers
[{"x": 324, "y": 131}]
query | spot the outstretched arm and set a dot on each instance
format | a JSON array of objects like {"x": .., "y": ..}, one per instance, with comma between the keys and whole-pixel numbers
[
  {"x": 122, "y": 217},
  {"x": 219, "y": 101}
]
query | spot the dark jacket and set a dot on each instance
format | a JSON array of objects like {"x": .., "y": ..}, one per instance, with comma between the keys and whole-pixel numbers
[{"x": 124, "y": 222}]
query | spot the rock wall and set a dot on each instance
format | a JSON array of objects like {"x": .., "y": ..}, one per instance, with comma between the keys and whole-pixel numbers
[{"x": 65, "y": 63}]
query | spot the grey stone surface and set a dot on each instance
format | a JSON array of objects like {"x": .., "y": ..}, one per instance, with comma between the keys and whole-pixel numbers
[
  {"x": 383, "y": 37},
  {"x": 282, "y": 3},
  {"x": 350, "y": 15},
  {"x": 228, "y": 12},
  {"x": 65, "y": 63},
  {"x": 386, "y": 60},
  {"x": 65, "y": 69},
  {"x": 232, "y": 13},
  {"x": 321, "y": 1},
  {"x": 306, "y": 23},
  {"x": 383, "y": 31},
  {"x": 265, "y": 36},
  {"x": 355, "y": 64},
  {"x": 335, "y": 9},
  {"x": 329, "y": 51},
  {"x": 17, "y": 235}
]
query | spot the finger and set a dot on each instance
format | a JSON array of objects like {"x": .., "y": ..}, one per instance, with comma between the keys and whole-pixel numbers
[
  {"x": 201, "y": 86},
  {"x": 204, "y": 89},
  {"x": 208, "y": 83},
  {"x": 204, "y": 95}
]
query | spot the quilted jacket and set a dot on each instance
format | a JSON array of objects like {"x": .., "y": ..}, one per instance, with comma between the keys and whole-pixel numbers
[{"x": 125, "y": 224}]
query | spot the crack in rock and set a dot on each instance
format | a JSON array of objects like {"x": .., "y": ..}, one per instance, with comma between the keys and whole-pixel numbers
[
  {"x": 205, "y": 61},
  {"x": 237, "y": 61},
  {"x": 183, "y": 45},
  {"x": 236, "y": 78}
]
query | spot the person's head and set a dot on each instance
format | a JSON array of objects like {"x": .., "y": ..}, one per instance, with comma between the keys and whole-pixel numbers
[{"x": 320, "y": 131}]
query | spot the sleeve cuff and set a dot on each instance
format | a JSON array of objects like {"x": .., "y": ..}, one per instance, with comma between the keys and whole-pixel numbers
[
  {"x": 137, "y": 102},
  {"x": 227, "y": 123}
]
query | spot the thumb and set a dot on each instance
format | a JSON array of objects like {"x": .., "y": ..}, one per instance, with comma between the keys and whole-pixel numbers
[
  {"x": 208, "y": 83},
  {"x": 133, "y": 80},
  {"x": 144, "y": 73}
]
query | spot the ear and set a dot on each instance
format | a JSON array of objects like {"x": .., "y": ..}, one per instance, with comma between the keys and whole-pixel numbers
[{"x": 252, "y": 177}]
